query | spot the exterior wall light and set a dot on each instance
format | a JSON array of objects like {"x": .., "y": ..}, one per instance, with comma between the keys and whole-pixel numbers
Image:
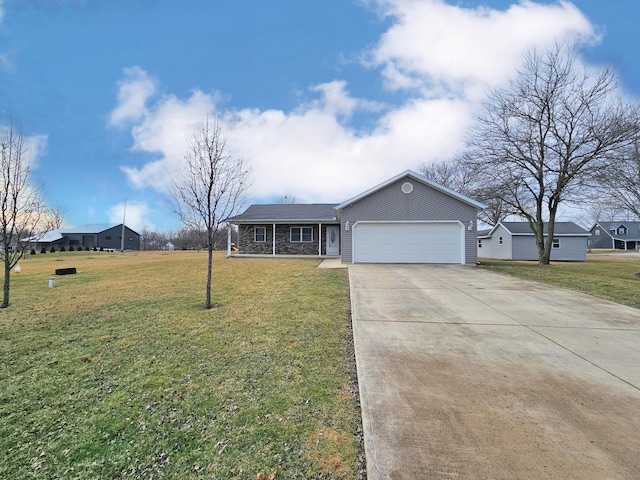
[
  {"x": 346, "y": 225},
  {"x": 470, "y": 227}
]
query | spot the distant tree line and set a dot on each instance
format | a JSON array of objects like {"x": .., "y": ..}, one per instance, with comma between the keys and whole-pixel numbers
[{"x": 184, "y": 239}]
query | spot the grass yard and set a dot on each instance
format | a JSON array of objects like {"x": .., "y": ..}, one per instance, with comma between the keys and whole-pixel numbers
[
  {"x": 611, "y": 278},
  {"x": 118, "y": 371}
]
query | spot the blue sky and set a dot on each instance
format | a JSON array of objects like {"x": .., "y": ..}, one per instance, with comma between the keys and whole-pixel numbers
[{"x": 324, "y": 99}]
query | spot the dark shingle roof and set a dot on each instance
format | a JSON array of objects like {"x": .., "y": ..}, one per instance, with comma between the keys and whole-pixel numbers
[
  {"x": 633, "y": 229},
  {"x": 560, "y": 228},
  {"x": 296, "y": 212}
]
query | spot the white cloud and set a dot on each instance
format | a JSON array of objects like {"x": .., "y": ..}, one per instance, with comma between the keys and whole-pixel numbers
[
  {"x": 336, "y": 101},
  {"x": 432, "y": 43},
  {"x": 137, "y": 215},
  {"x": 444, "y": 56},
  {"x": 134, "y": 91},
  {"x": 34, "y": 146},
  {"x": 165, "y": 130}
]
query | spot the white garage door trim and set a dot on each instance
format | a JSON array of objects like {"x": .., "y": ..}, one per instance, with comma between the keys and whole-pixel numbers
[{"x": 400, "y": 250}]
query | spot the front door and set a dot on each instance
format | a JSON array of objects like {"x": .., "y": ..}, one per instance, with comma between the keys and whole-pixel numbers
[{"x": 333, "y": 241}]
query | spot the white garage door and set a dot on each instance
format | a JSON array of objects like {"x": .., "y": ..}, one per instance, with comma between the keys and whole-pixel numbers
[{"x": 407, "y": 243}]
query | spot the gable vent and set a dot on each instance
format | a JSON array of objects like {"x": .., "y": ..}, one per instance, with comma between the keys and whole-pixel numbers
[{"x": 407, "y": 187}]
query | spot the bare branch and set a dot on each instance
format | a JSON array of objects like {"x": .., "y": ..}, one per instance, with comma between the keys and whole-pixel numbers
[
  {"x": 210, "y": 187},
  {"x": 21, "y": 205},
  {"x": 542, "y": 140}
]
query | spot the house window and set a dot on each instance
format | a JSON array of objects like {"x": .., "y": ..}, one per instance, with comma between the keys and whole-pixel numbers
[
  {"x": 107, "y": 237},
  {"x": 500, "y": 240},
  {"x": 479, "y": 243},
  {"x": 622, "y": 230},
  {"x": 301, "y": 234},
  {"x": 556, "y": 243},
  {"x": 260, "y": 234},
  {"x": 597, "y": 231}
]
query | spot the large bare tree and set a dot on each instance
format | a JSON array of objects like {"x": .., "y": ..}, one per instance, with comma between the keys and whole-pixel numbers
[
  {"x": 541, "y": 140},
  {"x": 21, "y": 205},
  {"x": 209, "y": 188}
]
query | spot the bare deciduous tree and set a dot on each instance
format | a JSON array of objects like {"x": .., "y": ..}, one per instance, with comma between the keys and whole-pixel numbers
[
  {"x": 618, "y": 189},
  {"x": 21, "y": 205},
  {"x": 54, "y": 218},
  {"x": 209, "y": 188},
  {"x": 459, "y": 174},
  {"x": 542, "y": 139}
]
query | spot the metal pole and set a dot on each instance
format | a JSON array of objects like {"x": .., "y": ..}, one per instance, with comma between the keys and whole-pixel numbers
[{"x": 124, "y": 216}]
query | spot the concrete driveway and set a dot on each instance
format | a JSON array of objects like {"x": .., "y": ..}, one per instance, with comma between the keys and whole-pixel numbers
[{"x": 469, "y": 374}]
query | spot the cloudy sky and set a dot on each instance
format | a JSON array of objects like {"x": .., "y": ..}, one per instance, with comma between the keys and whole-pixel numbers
[{"x": 324, "y": 99}]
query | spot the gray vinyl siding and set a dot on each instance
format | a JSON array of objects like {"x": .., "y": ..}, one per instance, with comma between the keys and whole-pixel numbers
[
  {"x": 571, "y": 249},
  {"x": 523, "y": 247},
  {"x": 491, "y": 247},
  {"x": 422, "y": 204},
  {"x": 604, "y": 240}
]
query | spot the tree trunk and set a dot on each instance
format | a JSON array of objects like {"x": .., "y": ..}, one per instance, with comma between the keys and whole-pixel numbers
[
  {"x": 539, "y": 232},
  {"x": 546, "y": 254},
  {"x": 5, "y": 295},
  {"x": 207, "y": 304}
]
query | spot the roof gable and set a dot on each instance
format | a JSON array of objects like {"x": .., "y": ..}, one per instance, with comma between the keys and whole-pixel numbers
[{"x": 418, "y": 178}]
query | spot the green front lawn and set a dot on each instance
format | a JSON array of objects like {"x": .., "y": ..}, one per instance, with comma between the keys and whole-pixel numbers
[
  {"x": 118, "y": 372},
  {"x": 611, "y": 278}
]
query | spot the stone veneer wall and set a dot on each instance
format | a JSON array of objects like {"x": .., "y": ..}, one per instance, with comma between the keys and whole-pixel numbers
[{"x": 284, "y": 246}]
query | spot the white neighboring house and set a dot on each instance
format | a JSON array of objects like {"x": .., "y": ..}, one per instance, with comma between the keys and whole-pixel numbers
[{"x": 516, "y": 241}]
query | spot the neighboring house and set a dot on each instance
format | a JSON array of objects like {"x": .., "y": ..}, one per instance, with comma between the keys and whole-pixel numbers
[
  {"x": 516, "y": 241},
  {"x": 620, "y": 234},
  {"x": 89, "y": 236},
  {"x": 406, "y": 219}
]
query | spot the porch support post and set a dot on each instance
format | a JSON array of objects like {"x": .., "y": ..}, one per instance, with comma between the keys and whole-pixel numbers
[
  {"x": 228, "y": 240},
  {"x": 320, "y": 239},
  {"x": 273, "y": 241}
]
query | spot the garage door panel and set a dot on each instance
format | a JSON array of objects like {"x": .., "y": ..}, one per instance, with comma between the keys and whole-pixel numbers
[{"x": 429, "y": 242}]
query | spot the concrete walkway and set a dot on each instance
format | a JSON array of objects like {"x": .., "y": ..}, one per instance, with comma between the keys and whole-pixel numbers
[{"x": 469, "y": 374}]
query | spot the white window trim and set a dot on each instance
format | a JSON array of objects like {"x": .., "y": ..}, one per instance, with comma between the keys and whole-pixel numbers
[
  {"x": 301, "y": 235},
  {"x": 555, "y": 241},
  {"x": 255, "y": 234}
]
